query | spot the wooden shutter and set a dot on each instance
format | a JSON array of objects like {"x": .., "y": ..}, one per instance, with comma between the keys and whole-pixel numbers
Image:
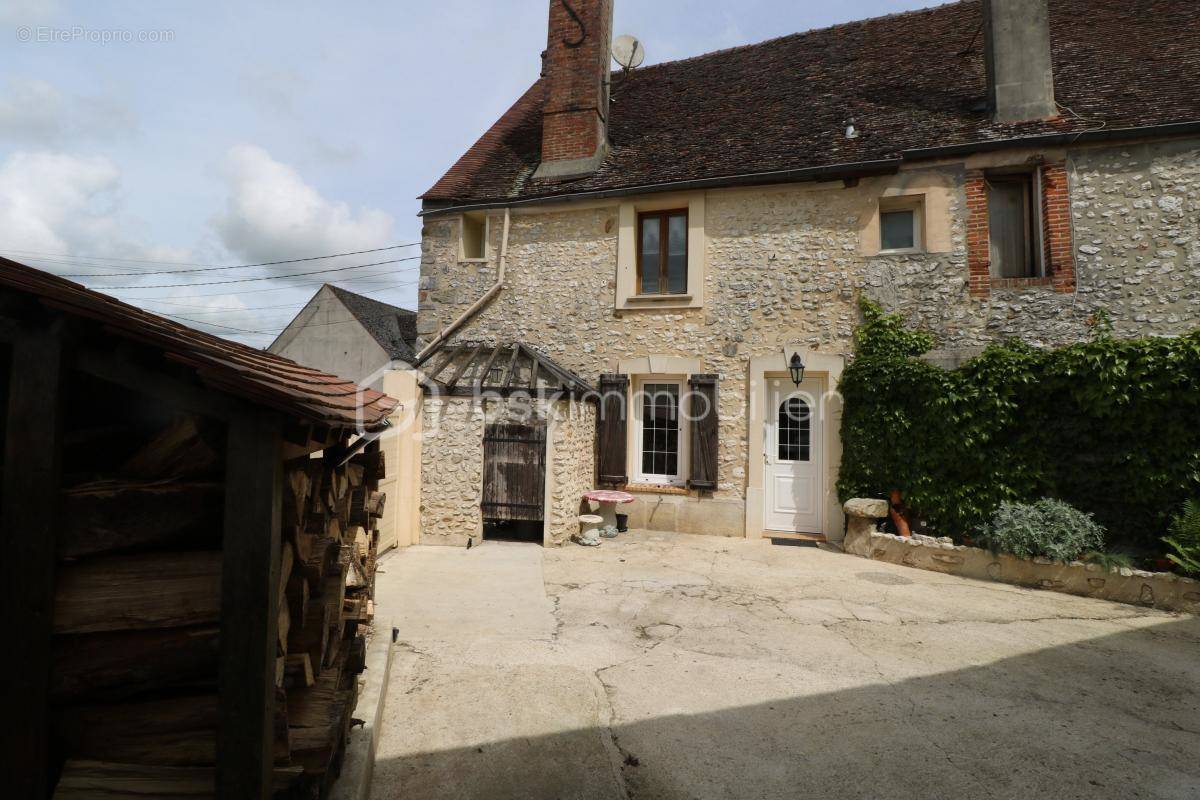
[
  {"x": 611, "y": 429},
  {"x": 702, "y": 411}
]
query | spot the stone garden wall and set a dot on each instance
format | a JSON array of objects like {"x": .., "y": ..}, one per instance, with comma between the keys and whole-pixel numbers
[{"x": 1163, "y": 590}]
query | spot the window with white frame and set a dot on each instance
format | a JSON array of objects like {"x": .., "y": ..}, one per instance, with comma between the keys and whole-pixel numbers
[
  {"x": 660, "y": 446},
  {"x": 901, "y": 224}
]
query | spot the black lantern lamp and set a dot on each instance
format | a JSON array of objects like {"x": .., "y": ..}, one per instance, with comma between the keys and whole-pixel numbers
[{"x": 796, "y": 368}]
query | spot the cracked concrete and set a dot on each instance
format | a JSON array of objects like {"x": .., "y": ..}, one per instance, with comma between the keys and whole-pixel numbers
[{"x": 675, "y": 666}]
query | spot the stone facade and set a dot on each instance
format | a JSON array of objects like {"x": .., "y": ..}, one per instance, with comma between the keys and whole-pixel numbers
[
  {"x": 784, "y": 268},
  {"x": 452, "y": 463},
  {"x": 571, "y": 466},
  {"x": 451, "y": 471},
  {"x": 1136, "y": 217}
]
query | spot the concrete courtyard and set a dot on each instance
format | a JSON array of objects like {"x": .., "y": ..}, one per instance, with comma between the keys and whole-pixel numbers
[{"x": 675, "y": 666}]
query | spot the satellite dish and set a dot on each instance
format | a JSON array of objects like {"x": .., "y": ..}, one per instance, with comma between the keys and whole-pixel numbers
[{"x": 628, "y": 51}]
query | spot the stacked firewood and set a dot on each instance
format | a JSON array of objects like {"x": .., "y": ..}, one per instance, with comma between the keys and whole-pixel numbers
[
  {"x": 137, "y": 617},
  {"x": 326, "y": 581}
]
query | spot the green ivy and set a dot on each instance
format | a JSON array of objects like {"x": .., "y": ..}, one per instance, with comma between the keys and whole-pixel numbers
[{"x": 1110, "y": 426}]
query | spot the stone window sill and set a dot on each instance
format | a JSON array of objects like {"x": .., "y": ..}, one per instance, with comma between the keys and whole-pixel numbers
[
  {"x": 659, "y": 298},
  {"x": 654, "y": 488},
  {"x": 1020, "y": 283}
]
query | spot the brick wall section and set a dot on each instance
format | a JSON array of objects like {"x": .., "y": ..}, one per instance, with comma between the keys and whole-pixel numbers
[
  {"x": 1056, "y": 235},
  {"x": 1056, "y": 227},
  {"x": 979, "y": 258},
  {"x": 576, "y": 96}
]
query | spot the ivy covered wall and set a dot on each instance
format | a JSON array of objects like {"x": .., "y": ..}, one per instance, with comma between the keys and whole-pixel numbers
[{"x": 1111, "y": 426}]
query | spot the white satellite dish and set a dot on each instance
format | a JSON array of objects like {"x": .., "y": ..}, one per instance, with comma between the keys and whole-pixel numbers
[{"x": 628, "y": 51}]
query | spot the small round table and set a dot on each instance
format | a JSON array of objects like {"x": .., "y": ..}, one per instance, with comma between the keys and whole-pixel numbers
[{"x": 608, "y": 500}]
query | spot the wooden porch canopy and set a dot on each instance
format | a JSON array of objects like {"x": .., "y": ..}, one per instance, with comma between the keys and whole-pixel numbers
[{"x": 502, "y": 369}]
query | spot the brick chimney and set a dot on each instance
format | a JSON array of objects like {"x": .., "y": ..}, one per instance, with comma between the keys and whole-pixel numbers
[
  {"x": 575, "y": 72},
  {"x": 1019, "y": 74}
]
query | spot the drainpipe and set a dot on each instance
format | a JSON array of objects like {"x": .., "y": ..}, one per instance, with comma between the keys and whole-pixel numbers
[{"x": 478, "y": 304}]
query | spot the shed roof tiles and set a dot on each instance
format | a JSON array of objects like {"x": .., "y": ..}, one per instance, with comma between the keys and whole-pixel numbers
[{"x": 255, "y": 375}]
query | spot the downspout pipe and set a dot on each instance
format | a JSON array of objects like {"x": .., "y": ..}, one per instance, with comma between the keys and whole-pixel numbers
[{"x": 462, "y": 318}]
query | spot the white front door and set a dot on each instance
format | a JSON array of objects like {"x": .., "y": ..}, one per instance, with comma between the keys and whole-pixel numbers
[{"x": 792, "y": 477}]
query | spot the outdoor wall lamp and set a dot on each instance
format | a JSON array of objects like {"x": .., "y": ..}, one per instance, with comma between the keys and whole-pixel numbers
[{"x": 796, "y": 368}]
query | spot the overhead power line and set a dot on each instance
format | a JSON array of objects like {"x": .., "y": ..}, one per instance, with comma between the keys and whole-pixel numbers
[
  {"x": 102, "y": 261},
  {"x": 354, "y": 319},
  {"x": 261, "y": 278},
  {"x": 296, "y": 285}
]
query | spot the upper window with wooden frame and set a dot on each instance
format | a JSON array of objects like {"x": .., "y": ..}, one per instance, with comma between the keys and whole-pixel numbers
[
  {"x": 662, "y": 252},
  {"x": 1015, "y": 224}
]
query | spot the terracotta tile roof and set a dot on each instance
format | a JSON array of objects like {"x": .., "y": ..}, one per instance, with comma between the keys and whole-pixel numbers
[
  {"x": 908, "y": 81},
  {"x": 239, "y": 370}
]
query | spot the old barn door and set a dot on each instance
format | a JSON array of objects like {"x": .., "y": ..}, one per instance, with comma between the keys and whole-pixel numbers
[{"x": 514, "y": 471}]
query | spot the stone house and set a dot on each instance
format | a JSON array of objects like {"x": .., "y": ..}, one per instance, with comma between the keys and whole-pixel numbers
[{"x": 679, "y": 232}]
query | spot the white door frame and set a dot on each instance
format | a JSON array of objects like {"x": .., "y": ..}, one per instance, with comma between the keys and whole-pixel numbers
[
  {"x": 828, "y": 366},
  {"x": 810, "y": 391}
]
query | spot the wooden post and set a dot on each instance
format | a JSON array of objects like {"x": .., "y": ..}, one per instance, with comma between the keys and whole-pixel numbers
[
  {"x": 249, "y": 606},
  {"x": 28, "y": 520}
]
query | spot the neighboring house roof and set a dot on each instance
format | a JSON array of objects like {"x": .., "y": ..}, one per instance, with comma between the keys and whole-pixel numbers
[
  {"x": 500, "y": 367},
  {"x": 239, "y": 370},
  {"x": 907, "y": 81},
  {"x": 393, "y": 327}
]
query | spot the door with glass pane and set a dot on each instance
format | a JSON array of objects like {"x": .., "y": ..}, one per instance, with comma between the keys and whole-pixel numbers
[{"x": 792, "y": 477}]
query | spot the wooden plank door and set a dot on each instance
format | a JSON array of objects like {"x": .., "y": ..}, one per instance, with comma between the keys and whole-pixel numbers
[{"x": 514, "y": 471}]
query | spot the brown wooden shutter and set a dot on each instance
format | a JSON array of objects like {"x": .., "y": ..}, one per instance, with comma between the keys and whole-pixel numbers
[
  {"x": 702, "y": 411},
  {"x": 611, "y": 430}
]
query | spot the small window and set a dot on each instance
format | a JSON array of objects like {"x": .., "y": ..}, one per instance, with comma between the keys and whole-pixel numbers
[
  {"x": 795, "y": 427},
  {"x": 659, "y": 440},
  {"x": 662, "y": 253},
  {"x": 900, "y": 222},
  {"x": 1014, "y": 221},
  {"x": 473, "y": 244}
]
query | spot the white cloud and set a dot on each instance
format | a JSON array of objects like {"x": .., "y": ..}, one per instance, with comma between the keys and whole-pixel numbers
[
  {"x": 27, "y": 12},
  {"x": 272, "y": 214},
  {"x": 56, "y": 203},
  {"x": 36, "y": 112}
]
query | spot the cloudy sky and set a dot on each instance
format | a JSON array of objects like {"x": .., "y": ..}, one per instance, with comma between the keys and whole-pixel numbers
[{"x": 155, "y": 136}]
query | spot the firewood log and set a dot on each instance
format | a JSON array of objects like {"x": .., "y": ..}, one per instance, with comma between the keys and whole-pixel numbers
[
  {"x": 297, "y": 484},
  {"x": 179, "y": 450},
  {"x": 298, "y": 671},
  {"x": 117, "y": 515},
  {"x": 375, "y": 501},
  {"x": 373, "y": 465},
  {"x": 159, "y": 590},
  {"x": 97, "y": 780},
  {"x": 297, "y": 597},
  {"x": 178, "y": 731},
  {"x": 312, "y": 636},
  {"x": 124, "y": 663}
]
